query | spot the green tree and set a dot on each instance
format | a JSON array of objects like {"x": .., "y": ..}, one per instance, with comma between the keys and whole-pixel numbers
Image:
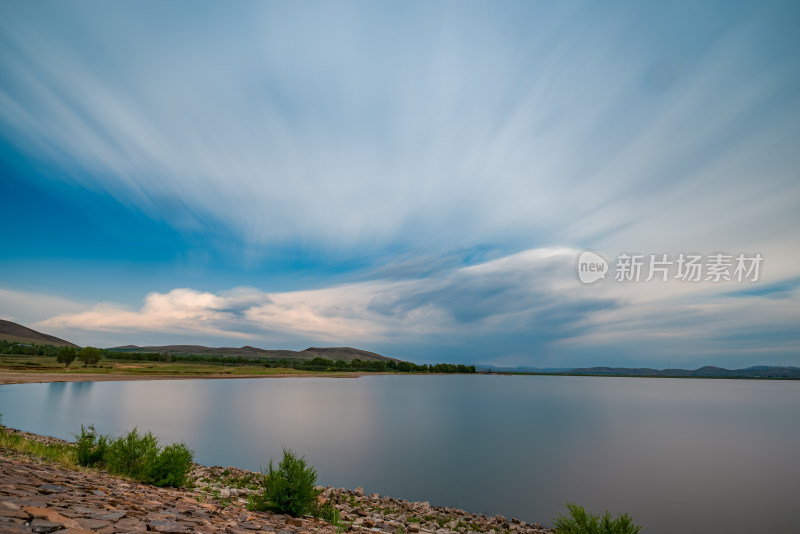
[
  {"x": 89, "y": 356},
  {"x": 66, "y": 355}
]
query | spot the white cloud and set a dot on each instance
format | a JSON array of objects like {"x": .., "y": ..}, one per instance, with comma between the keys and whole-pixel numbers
[{"x": 529, "y": 304}]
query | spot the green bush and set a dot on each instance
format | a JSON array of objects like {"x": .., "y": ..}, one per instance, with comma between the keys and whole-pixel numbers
[
  {"x": 130, "y": 455},
  {"x": 289, "y": 489},
  {"x": 140, "y": 457},
  {"x": 580, "y": 521},
  {"x": 171, "y": 466},
  {"x": 91, "y": 448}
]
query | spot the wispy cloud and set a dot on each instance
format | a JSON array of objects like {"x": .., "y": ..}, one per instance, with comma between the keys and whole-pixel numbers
[
  {"x": 526, "y": 308},
  {"x": 340, "y": 131},
  {"x": 530, "y": 291}
]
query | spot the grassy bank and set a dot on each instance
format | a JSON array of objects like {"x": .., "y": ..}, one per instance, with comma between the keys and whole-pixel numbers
[
  {"x": 31, "y": 358},
  {"x": 48, "y": 364},
  {"x": 62, "y": 454}
]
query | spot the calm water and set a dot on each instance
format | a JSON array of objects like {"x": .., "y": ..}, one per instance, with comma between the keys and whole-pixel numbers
[{"x": 679, "y": 455}]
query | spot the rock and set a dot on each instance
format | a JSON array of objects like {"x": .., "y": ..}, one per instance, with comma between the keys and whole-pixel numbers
[
  {"x": 130, "y": 524},
  {"x": 167, "y": 527},
  {"x": 51, "y": 488},
  {"x": 92, "y": 524},
  {"x": 42, "y": 525},
  {"x": 52, "y": 516},
  {"x": 93, "y": 502},
  {"x": 111, "y": 516},
  {"x": 13, "y": 514}
]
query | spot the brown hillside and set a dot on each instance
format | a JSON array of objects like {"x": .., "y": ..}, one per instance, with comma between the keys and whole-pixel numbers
[
  {"x": 330, "y": 353},
  {"x": 22, "y": 334}
]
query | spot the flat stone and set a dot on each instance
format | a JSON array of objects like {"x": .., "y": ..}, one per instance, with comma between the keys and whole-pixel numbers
[
  {"x": 167, "y": 526},
  {"x": 111, "y": 516},
  {"x": 9, "y": 504},
  {"x": 42, "y": 525},
  {"x": 13, "y": 528},
  {"x": 129, "y": 524},
  {"x": 51, "y": 515},
  {"x": 14, "y": 514},
  {"x": 87, "y": 511},
  {"x": 51, "y": 488},
  {"x": 92, "y": 524}
]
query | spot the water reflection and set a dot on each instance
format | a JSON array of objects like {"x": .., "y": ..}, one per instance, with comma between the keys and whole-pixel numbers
[{"x": 697, "y": 455}]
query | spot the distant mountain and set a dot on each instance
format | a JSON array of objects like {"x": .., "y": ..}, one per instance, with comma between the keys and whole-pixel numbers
[
  {"x": 548, "y": 370},
  {"x": 329, "y": 353},
  {"x": 22, "y": 334},
  {"x": 709, "y": 371}
]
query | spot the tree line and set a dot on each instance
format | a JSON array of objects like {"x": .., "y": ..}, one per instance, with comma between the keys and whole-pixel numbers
[
  {"x": 316, "y": 364},
  {"x": 91, "y": 356}
]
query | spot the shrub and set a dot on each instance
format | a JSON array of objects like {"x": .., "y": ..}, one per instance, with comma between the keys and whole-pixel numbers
[
  {"x": 171, "y": 466},
  {"x": 139, "y": 456},
  {"x": 289, "y": 489},
  {"x": 582, "y": 522},
  {"x": 130, "y": 455},
  {"x": 91, "y": 448}
]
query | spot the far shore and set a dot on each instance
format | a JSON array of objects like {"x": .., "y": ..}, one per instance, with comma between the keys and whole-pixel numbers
[{"x": 33, "y": 377}]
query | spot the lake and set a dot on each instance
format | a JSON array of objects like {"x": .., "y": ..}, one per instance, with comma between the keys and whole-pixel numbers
[{"x": 679, "y": 455}]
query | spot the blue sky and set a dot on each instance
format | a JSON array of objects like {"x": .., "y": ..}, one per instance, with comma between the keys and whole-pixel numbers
[{"x": 414, "y": 178}]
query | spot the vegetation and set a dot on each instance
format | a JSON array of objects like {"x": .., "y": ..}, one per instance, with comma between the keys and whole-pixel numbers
[
  {"x": 29, "y": 349},
  {"x": 61, "y": 454},
  {"x": 580, "y": 521},
  {"x": 90, "y": 356},
  {"x": 316, "y": 364},
  {"x": 66, "y": 355},
  {"x": 46, "y": 357},
  {"x": 289, "y": 489},
  {"x": 91, "y": 448},
  {"x": 135, "y": 455}
]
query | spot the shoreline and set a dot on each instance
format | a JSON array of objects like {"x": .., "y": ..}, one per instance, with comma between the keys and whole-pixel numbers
[
  {"x": 88, "y": 498},
  {"x": 35, "y": 377}
]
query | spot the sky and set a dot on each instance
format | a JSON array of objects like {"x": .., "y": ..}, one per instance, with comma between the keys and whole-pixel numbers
[{"x": 417, "y": 179}]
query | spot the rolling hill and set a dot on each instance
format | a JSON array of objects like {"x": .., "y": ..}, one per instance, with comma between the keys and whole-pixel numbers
[
  {"x": 14, "y": 332},
  {"x": 329, "y": 353}
]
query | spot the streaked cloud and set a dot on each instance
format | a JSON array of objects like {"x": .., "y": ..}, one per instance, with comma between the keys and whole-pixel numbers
[
  {"x": 350, "y": 129},
  {"x": 531, "y": 299}
]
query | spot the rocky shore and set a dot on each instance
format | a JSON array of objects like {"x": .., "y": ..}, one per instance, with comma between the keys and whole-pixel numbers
[{"x": 36, "y": 496}]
